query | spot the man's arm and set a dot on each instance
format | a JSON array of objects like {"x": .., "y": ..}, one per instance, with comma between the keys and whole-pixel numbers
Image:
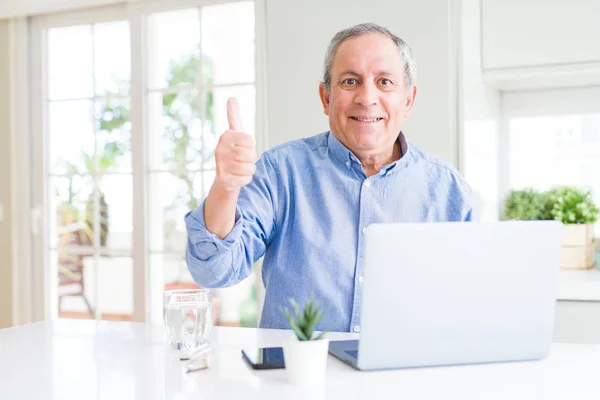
[
  {"x": 224, "y": 239},
  {"x": 235, "y": 157},
  {"x": 218, "y": 262}
]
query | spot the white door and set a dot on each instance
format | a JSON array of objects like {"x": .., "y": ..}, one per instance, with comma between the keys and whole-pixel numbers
[{"x": 128, "y": 103}]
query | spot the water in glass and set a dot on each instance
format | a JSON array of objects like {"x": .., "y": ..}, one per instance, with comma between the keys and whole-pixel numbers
[{"x": 188, "y": 319}]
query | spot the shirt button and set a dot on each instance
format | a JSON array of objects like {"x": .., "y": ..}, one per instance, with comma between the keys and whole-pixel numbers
[
  {"x": 364, "y": 231},
  {"x": 356, "y": 328},
  {"x": 361, "y": 279},
  {"x": 348, "y": 164},
  {"x": 367, "y": 183}
]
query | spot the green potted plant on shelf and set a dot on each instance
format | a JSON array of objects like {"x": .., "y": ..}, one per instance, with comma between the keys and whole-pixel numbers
[
  {"x": 576, "y": 209},
  {"x": 526, "y": 205},
  {"x": 305, "y": 353},
  {"x": 572, "y": 206}
]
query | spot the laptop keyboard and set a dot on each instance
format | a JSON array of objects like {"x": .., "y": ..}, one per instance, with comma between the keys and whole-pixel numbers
[{"x": 352, "y": 353}]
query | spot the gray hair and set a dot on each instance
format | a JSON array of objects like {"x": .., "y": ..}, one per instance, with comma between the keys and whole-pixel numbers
[{"x": 410, "y": 64}]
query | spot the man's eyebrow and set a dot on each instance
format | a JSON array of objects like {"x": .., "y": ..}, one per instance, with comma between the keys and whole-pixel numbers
[
  {"x": 384, "y": 73},
  {"x": 378, "y": 73},
  {"x": 350, "y": 72}
]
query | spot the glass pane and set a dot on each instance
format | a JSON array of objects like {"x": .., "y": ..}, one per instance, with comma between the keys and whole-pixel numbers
[
  {"x": 173, "y": 47},
  {"x": 228, "y": 42},
  {"x": 75, "y": 284},
  {"x": 71, "y": 137},
  {"x": 546, "y": 151},
  {"x": 115, "y": 288},
  {"x": 116, "y": 211},
  {"x": 176, "y": 134},
  {"x": 217, "y": 108},
  {"x": 71, "y": 217},
  {"x": 172, "y": 196},
  {"x": 112, "y": 58},
  {"x": 174, "y": 271},
  {"x": 77, "y": 275},
  {"x": 113, "y": 135},
  {"x": 70, "y": 62},
  {"x": 556, "y": 150}
]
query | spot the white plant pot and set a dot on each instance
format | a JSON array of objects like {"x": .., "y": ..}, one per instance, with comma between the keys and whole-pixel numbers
[{"x": 306, "y": 361}]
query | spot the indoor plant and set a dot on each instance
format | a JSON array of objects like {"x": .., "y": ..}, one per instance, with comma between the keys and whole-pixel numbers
[
  {"x": 572, "y": 206},
  {"x": 576, "y": 209},
  {"x": 305, "y": 353},
  {"x": 527, "y": 204}
]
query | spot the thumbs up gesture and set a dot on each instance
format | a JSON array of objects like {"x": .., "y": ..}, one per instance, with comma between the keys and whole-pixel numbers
[{"x": 235, "y": 154}]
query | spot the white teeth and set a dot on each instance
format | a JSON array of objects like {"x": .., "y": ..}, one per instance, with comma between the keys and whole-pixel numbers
[{"x": 367, "y": 119}]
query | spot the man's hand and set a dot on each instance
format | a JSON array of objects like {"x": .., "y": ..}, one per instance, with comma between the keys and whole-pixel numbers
[{"x": 235, "y": 154}]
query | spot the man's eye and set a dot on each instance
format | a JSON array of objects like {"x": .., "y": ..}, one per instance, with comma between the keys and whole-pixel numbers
[
  {"x": 350, "y": 81},
  {"x": 385, "y": 82}
]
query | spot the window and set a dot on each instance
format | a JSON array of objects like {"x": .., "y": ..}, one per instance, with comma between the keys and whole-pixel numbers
[
  {"x": 89, "y": 168},
  {"x": 547, "y": 138},
  {"x": 556, "y": 150},
  {"x": 197, "y": 59},
  {"x": 102, "y": 133}
]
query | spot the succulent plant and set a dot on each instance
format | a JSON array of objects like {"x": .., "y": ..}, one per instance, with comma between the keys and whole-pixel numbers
[{"x": 304, "y": 323}]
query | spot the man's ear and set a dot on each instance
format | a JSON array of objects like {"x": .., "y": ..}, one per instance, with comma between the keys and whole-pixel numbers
[
  {"x": 324, "y": 95},
  {"x": 410, "y": 100}
]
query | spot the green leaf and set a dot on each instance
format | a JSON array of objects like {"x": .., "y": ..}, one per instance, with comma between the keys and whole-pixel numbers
[
  {"x": 525, "y": 204},
  {"x": 296, "y": 309},
  {"x": 319, "y": 336},
  {"x": 572, "y": 205},
  {"x": 304, "y": 322}
]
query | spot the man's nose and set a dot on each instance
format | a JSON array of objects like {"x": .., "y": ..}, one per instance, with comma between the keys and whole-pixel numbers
[{"x": 368, "y": 95}]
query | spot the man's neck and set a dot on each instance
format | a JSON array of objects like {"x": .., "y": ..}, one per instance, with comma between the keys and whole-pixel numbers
[{"x": 372, "y": 163}]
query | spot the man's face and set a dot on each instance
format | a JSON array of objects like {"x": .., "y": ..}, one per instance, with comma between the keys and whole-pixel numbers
[{"x": 368, "y": 101}]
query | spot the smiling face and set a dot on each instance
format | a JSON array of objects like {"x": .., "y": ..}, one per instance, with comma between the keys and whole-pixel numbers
[{"x": 368, "y": 100}]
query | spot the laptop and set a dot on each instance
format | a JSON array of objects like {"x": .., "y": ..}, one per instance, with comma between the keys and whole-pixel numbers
[{"x": 455, "y": 293}]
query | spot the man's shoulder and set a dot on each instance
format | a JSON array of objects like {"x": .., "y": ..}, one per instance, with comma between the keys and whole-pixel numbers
[
  {"x": 298, "y": 147},
  {"x": 440, "y": 167}
]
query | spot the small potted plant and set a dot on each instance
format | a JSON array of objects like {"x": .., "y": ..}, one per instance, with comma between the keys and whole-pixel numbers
[
  {"x": 573, "y": 207},
  {"x": 577, "y": 211},
  {"x": 305, "y": 353},
  {"x": 526, "y": 205}
]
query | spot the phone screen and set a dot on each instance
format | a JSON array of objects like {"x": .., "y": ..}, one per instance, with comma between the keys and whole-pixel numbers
[{"x": 264, "y": 357}]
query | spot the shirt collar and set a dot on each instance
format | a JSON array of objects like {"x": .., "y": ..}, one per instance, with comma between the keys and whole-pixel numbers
[{"x": 344, "y": 155}]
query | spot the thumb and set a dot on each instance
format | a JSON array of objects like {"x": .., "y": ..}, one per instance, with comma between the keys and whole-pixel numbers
[{"x": 233, "y": 115}]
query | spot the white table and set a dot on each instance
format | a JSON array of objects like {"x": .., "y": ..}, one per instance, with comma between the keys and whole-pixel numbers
[{"x": 69, "y": 359}]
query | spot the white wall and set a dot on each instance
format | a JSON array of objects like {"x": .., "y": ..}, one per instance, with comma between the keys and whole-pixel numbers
[
  {"x": 526, "y": 33},
  {"x": 540, "y": 44},
  {"x": 577, "y": 322},
  {"x": 298, "y": 33},
  {"x": 479, "y": 101}
]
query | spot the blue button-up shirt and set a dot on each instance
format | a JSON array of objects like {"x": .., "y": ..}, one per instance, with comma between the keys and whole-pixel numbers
[{"x": 306, "y": 211}]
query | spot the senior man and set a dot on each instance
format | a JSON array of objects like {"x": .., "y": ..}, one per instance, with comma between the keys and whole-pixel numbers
[{"x": 305, "y": 205}]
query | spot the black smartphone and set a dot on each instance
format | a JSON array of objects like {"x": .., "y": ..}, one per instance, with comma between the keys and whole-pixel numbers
[{"x": 264, "y": 357}]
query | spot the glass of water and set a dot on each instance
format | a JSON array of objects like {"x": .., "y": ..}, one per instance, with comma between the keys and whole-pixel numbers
[{"x": 188, "y": 319}]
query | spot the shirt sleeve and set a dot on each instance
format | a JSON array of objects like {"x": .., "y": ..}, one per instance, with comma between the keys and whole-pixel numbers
[
  {"x": 468, "y": 213},
  {"x": 215, "y": 262}
]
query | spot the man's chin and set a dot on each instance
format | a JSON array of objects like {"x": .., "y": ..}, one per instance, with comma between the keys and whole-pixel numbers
[{"x": 365, "y": 146}]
